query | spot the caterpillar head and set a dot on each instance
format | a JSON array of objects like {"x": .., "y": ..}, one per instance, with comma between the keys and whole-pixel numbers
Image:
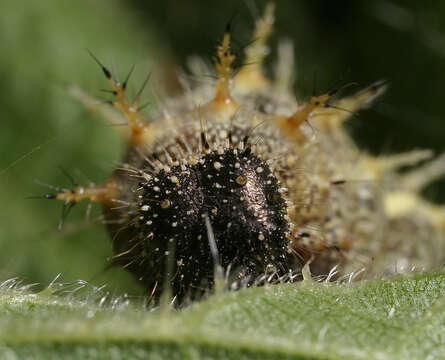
[{"x": 239, "y": 195}]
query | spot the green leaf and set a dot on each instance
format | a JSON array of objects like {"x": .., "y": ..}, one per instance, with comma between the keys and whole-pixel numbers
[{"x": 402, "y": 318}]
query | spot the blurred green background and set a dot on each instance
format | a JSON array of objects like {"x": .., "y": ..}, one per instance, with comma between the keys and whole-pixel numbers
[{"x": 42, "y": 50}]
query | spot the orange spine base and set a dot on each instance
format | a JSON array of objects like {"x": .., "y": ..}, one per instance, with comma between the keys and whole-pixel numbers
[
  {"x": 291, "y": 125},
  {"x": 103, "y": 193},
  {"x": 130, "y": 110},
  {"x": 223, "y": 65}
]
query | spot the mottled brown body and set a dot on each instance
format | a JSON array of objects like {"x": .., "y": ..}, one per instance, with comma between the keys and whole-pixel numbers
[{"x": 342, "y": 206}]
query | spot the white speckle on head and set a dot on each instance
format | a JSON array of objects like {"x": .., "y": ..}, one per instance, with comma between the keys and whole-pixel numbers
[
  {"x": 217, "y": 165},
  {"x": 237, "y": 165},
  {"x": 145, "y": 208},
  {"x": 259, "y": 170},
  {"x": 174, "y": 179},
  {"x": 156, "y": 188},
  {"x": 174, "y": 224},
  {"x": 261, "y": 237},
  {"x": 149, "y": 222}
]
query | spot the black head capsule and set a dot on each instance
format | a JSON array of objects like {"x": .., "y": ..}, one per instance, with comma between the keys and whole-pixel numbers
[{"x": 235, "y": 191}]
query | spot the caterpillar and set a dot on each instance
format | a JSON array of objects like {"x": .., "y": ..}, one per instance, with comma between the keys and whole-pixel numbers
[{"x": 238, "y": 179}]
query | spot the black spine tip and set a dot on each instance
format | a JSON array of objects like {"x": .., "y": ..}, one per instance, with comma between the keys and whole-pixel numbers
[
  {"x": 109, "y": 91},
  {"x": 338, "y": 182},
  {"x": 124, "y": 85},
  {"x": 228, "y": 28},
  {"x": 106, "y": 72},
  {"x": 49, "y": 196},
  {"x": 141, "y": 90},
  {"x": 231, "y": 24}
]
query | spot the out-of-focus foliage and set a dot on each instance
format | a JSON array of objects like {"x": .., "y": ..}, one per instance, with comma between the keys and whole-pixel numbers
[{"x": 42, "y": 51}]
